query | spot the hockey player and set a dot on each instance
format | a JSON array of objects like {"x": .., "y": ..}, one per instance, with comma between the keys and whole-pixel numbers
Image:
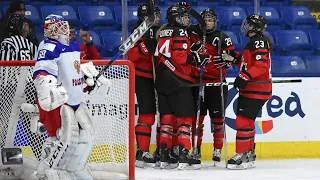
[
  {"x": 211, "y": 74},
  {"x": 255, "y": 66},
  {"x": 17, "y": 46},
  {"x": 58, "y": 81},
  {"x": 175, "y": 101},
  {"x": 141, "y": 55}
]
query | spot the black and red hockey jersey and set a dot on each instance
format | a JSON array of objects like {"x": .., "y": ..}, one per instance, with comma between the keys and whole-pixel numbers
[
  {"x": 211, "y": 71},
  {"x": 141, "y": 55},
  {"x": 256, "y": 65},
  {"x": 173, "y": 50}
]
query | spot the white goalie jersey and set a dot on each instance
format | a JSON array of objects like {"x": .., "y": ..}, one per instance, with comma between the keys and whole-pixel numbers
[{"x": 62, "y": 62}]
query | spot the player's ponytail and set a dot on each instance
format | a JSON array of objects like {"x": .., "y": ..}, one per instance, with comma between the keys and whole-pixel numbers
[
  {"x": 269, "y": 42},
  {"x": 158, "y": 32}
]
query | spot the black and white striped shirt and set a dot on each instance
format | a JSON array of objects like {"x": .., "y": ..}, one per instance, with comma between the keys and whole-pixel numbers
[{"x": 17, "y": 48}]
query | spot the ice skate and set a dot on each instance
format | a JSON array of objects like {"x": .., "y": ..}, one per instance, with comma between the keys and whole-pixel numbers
[
  {"x": 166, "y": 161},
  {"x": 175, "y": 152},
  {"x": 156, "y": 156},
  {"x": 144, "y": 159},
  {"x": 196, "y": 154},
  {"x": 238, "y": 161},
  {"x": 216, "y": 156},
  {"x": 251, "y": 159},
  {"x": 186, "y": 162}
]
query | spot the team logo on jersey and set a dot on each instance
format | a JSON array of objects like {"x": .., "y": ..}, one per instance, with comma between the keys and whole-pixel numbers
[
  {"x": 185, "y": 45},
  {"x": 258, "y": 57},
  {"x": 76, "y": 65}
]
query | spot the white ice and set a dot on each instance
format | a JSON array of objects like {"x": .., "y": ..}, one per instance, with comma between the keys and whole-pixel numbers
[{"x": 265, "y": 170}]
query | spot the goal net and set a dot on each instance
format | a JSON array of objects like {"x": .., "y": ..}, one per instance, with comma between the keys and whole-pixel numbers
[{"x": 112, "y": 156}]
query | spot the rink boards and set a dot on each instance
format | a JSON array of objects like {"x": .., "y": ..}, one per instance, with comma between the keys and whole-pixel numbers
[{"x": 287, "y": 127}]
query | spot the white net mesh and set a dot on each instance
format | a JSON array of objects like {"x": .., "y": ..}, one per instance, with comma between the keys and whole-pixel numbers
[{"x": 113, "y": 117}]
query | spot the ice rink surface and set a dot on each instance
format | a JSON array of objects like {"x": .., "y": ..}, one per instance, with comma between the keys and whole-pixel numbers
[{"x": 299, "y": 169}]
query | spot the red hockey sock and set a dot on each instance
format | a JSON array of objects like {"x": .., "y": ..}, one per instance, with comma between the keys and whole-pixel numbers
[
  {"x": 184, "y": 125},
  {"x": 175, "y": 135},
  {"x": 218, "y": 132},
  {"x": 166, "y": 130},
  {"x": 245, "y": 133},
  {"x": 143, "y": 130},
  {"x": 51, "y": 120}
]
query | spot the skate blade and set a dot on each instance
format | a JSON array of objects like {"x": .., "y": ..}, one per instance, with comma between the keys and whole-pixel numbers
[
  {"x": 237, "y": 167},
  {"x": 251, "y": 164},
  {"x": 141, "y": 164},
  {"x": 216, "y": 161},
  {"x": 165, "y": 165},
  {"x": 186, "y": 166}
]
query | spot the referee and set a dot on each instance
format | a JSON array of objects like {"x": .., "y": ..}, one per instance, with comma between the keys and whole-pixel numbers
[{"x": 16, "y": 46}]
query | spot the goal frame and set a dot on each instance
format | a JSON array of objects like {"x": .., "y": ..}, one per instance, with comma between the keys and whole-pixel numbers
[{"x": 131, "y": 101}]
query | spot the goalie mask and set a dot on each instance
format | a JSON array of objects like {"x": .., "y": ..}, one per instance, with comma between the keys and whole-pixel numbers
[
  {"x": 253, "y": 24},
  {"x": 211, "y": 19},
  {"x": 55, "y": 27}
]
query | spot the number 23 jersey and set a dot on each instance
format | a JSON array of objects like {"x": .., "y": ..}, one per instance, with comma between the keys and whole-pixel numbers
[{"x": 256, "y": 63}]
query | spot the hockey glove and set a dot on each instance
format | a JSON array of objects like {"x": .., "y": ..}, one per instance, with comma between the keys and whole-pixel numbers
[
  {"x": 200, "y": 59},
  {"x": 242, "y": 80},
  {"x": 197, "y": 46},
  {"x": 227, "y": 58},
  {"x": 94, "y": 85}
]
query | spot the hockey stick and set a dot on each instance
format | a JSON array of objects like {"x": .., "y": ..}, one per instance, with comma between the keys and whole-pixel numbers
[
  {"x": 222, "y": 107},
  {"x": 250, "y": 82},
  {"x": 155, "y": 93},
  {"x": 201, "y": 21},
  {"x": 134, "y": 37}
]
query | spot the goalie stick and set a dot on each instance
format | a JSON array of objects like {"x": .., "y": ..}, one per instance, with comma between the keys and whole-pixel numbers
[
  {"x": 134, "y": 37},
  {"x": 202, "y": 23}
]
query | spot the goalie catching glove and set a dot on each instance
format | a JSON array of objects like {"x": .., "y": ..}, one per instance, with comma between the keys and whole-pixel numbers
[{"x": 90, "y": 74}]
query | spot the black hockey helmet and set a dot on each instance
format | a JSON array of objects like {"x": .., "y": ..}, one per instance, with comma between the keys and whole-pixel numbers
[
  {"x": 16, "y": 24},
  {"x": 178, "y": 11},
  {"x": 143, "y": 11},
  {"x": 210, "y": 13},
  {"x": 253, "y": 23}
]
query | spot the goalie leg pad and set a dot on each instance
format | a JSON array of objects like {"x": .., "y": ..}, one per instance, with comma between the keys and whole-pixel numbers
[
  {"x": 85, "y": 144},
  {"x": 81, "y": 175},
  {"x": 53, "y": 174},
  {"x": 58, "y": 151}
]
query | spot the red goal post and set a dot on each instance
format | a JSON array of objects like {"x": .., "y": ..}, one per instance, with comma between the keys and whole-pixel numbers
[{"x": 113, "y": 117}]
